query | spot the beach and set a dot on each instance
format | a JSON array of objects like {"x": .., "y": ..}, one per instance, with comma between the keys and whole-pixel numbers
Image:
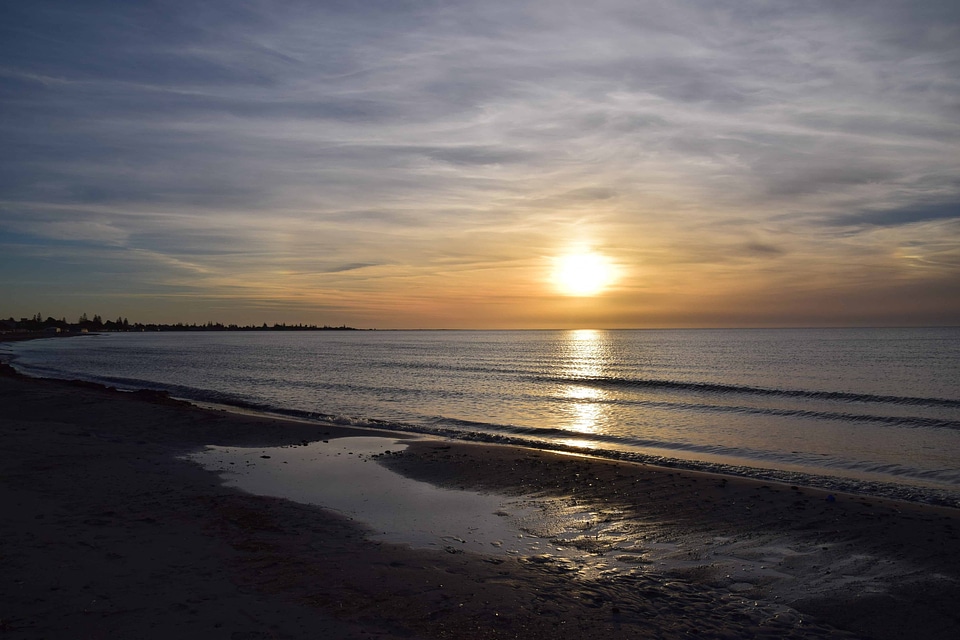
[{"x": 109, "y": 531}]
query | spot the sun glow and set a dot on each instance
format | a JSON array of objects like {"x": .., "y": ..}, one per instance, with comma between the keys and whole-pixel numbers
[{"x": 583, "y": 274}]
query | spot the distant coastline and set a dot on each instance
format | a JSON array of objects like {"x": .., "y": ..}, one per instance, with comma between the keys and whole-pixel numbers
[{"x": 37, "y": 326}]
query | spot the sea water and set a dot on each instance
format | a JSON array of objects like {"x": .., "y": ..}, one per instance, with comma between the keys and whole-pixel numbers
[{"x": 866, "y": 410}]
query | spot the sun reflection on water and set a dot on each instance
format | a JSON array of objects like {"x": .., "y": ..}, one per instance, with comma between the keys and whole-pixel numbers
[{"x": 585, "y": 356}]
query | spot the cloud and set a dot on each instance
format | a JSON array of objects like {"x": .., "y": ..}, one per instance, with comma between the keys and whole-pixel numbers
[{"x": 900, "y": 216}]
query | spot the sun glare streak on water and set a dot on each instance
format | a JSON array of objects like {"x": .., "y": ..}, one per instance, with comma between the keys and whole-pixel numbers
[{"x": 583, "y": 356}]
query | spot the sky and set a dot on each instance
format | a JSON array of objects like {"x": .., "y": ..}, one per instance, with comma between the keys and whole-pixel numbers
[{"x": 428, "y": 164}]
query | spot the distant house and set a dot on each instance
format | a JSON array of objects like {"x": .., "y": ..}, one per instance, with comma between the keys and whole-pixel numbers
[
  {"x": 52, "y": 330},
  {"x": 8, "y": 326}
]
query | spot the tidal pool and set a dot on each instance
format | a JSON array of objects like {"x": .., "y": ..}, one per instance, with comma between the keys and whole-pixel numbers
[{"x": 342, "y": 476}]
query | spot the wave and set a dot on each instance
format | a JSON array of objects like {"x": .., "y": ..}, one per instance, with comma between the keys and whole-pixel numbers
[
  {"x": 810, "y": 414},
  {"x": 133, "y": 384},
  {"x": 717, "y": 388},
  {"x": 614, "y": 382}
]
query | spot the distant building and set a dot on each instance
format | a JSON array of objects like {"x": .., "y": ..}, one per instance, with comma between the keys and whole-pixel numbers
[{"x": 52, "y": 330}]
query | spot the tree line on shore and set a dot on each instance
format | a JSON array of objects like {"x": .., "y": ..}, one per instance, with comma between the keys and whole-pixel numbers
[{"x": 97, "y": 323}]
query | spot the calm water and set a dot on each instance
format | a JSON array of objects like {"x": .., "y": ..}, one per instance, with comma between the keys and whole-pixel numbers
[{"x": 874, "y": 410}]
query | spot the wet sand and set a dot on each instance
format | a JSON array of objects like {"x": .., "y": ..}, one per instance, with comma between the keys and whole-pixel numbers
[{"x": 107, "y": 531}]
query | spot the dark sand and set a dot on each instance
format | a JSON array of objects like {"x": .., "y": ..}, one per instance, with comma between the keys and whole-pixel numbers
[{"x": 106, "y": 533}]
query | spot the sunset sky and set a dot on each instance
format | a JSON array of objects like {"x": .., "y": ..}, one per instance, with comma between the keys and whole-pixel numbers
[{"x": 401, "y": 164}]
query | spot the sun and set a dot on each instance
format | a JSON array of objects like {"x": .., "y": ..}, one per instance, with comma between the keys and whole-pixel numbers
[{"x": 583, "y": 274}]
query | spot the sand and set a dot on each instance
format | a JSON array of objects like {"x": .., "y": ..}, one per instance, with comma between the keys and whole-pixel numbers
[{"x": 109, "y": 531}]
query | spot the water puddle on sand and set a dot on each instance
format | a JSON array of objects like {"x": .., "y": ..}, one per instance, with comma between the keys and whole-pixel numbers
[{"x": 341, "y": 475}]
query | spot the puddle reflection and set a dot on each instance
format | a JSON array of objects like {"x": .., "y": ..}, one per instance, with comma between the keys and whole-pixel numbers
[{"x": 343, "y": 476}]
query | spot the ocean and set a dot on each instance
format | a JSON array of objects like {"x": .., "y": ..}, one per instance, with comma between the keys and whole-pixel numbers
[{"x": 872, "y": 411}]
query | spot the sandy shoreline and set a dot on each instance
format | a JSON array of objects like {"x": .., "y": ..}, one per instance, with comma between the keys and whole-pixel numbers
[{"x": 107, "y": 532}]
